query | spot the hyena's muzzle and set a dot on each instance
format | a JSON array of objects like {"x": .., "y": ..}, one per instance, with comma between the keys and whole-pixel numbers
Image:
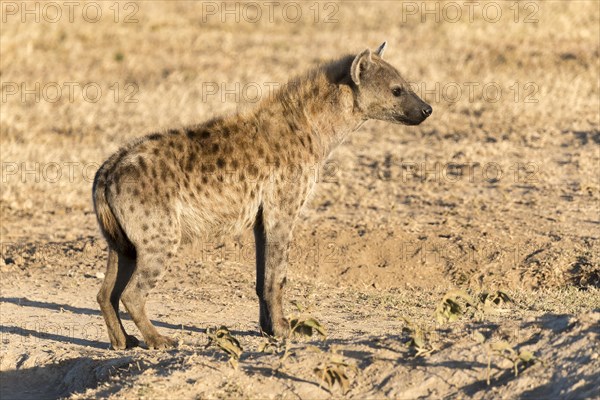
[{"x": 415, "y": 110}]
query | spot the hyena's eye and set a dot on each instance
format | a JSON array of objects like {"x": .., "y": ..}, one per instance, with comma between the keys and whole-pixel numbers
[{"x": 397, "y": 91}]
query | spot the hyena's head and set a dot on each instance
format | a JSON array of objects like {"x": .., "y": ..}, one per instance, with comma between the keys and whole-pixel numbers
[{"x": 381, "y": 93}]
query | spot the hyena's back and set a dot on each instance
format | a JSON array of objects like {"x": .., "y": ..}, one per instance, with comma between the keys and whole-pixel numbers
[{"x": 172, "y": 186}]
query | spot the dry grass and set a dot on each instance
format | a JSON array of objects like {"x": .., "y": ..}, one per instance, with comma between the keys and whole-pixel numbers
[{"x": 170, "y": 53}]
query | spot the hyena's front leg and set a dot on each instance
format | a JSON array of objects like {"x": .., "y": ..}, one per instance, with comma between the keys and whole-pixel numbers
[{"x": 272, "y": 238}]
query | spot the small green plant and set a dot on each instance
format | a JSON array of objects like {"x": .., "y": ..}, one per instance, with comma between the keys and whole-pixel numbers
[
  {"x": 419, "y": 339},
  {"x": 449, "y": 309},
  {"x": 223, "y": 339},
  {"x": 305, "y": 325},
  {"x": 504, "y": 350},
  {"x": 335, "y": 370},
  {"x": 275, "y": 345},
  {"x": 489, "y": 303}
]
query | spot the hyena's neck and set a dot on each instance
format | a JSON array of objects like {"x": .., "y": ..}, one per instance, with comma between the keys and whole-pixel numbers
[{"x": 320, "y": 105}]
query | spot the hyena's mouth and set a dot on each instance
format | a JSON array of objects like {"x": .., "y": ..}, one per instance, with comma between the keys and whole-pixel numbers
[{"x": 404, "y": 120}]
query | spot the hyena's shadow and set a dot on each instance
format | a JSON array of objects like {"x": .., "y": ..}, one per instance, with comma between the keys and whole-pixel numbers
[{"x": 43, "y": 332}]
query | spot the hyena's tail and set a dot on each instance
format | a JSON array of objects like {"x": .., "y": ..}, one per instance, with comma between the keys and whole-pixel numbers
[{"x": 109, "y": 225}]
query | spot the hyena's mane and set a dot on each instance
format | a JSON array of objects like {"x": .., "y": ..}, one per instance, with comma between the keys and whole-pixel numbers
[{"x": 317, "y": 83}]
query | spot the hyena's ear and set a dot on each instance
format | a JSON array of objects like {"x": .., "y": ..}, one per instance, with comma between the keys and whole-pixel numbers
[
  {"x": 360, "y": 64},
  {"x": 381, "y": 49}
]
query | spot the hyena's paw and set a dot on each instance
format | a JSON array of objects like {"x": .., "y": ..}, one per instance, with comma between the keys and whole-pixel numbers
[
  {"x": 161, "y": 342},
  {"x": 281, "y": 328},
  {"x": 124, "y": 342}
]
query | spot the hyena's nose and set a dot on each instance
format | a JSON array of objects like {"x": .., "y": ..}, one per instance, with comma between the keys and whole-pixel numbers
[{"x": 427, "y": 110}]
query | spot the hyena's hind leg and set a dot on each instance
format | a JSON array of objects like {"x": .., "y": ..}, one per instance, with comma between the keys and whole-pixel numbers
[
  {"x": 118, "y": 272},
  {"x": 150, "y": 266}
]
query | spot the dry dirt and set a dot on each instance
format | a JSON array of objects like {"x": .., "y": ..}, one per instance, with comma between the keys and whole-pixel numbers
[{"x": 490, "y": 193}]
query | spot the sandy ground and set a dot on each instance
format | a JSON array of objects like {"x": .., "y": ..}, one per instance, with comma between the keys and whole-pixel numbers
[{"x": 489, "y": 194}]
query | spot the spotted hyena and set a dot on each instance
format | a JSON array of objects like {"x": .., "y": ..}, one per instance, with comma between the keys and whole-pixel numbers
[{"x": 229, "y": 174}]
